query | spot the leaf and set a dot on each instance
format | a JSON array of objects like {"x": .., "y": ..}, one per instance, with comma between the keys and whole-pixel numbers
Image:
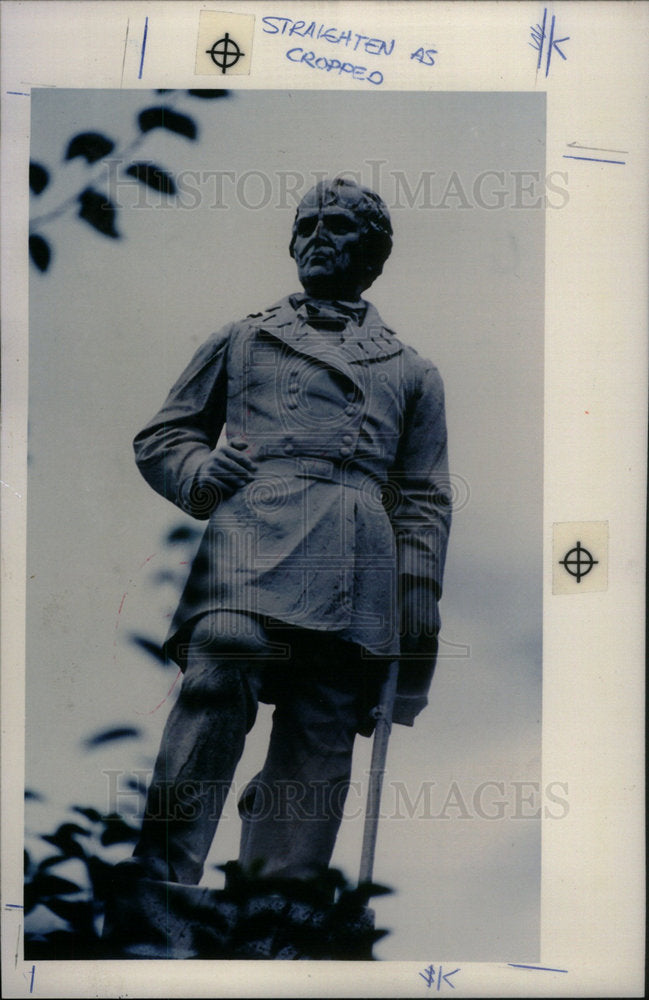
[
  {"x": 78, "y": 913},
  {"x": 154, "y": 177},
  {"x": 68, "y": 830},
  {"x": 92, "y": 814},
  {"x": 41, "y": 254},
  {"x": 56, "y": 945},
  {"x": 209, "y": 95},
  {"x": 101, "y": 875},
  {"x": 53, "y": 885},
  {"x": 152, "y": 648},
  {"x": 38, "y": 177},
  {"x": 92, "y": 146},
  {"x": 31, "y": 898},
  {"x": 107, "y": 735},
  {"x": 161, "y": 117},
  {"x": 44, "y": 886},
  {"x": 98, "y": 211},
  {"x": 137, "y": 785},
  {"x": 117, "y": 831},
  {"x": 54, "y": 859},
  {"x": 183, "y": 533},
  {"x": 64, "y": 839}
]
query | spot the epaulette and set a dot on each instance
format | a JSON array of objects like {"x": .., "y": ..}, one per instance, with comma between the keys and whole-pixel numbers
[{"x": 266, "y": 312}]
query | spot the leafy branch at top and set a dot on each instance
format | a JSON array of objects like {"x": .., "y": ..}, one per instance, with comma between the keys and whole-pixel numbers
[{"x": 94, "y": 206}]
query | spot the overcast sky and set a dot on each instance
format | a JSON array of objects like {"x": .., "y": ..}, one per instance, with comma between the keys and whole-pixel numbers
[{"x": 113, "y": 323}]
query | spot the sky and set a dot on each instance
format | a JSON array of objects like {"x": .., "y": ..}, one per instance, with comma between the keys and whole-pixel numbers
[{"x": 113, "y": 323}]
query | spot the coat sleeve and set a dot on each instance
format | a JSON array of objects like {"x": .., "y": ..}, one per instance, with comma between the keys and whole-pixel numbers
[
  {"x": 420, "y": 496},
  {"x": 172, "y": 446}
]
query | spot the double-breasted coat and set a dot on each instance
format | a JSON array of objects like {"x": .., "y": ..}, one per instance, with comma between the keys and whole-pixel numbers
[{"x": 344, "y": 526}]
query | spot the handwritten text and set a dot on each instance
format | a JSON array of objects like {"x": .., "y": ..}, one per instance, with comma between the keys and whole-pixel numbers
[
  {"x": 438, "y": 978},
  {"x": 539, "y": 38},
  {"x": 350, "y": 39}
]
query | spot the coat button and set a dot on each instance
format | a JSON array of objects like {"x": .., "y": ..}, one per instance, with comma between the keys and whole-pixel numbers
[
  {"x": 347, "y": 439},
  {"x": 292, "y": 404},
  {"x": 294, "y": 387},
  {"x": 350, "y": 410},
  {"x": 288, "y": 448},
  {"x": 345, "y": 450}
]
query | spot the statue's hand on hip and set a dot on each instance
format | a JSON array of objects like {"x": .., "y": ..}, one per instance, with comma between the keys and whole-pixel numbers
[{"x": 221, "y": 474}]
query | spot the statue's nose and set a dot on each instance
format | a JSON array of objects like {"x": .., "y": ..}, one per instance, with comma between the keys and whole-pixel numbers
[{"x": 321, "y": 230}]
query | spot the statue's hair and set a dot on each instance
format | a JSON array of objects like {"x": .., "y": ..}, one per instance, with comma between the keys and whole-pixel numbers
[{"x": 369, "y": 208}]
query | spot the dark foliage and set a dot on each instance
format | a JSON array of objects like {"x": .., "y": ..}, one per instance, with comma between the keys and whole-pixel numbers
[
  {"x": 252, "y": 918},
  {"x": 209, "y": 95},
  {"x": 98, "y": 211},
  {"x": 150, "y": 647},
  {"x": 161, "y": 117},
  {"x": 40, "y": 251},
  {"x": 92, "y": 146},
  {"x": 44, "y": 888},
  {"x": 117, "y": 831},
  {"x": 95, "y": 208},
  {"x": 206, "y": 94},
  {"x": 38, "y": 177},
  {"x": 181, "y": 534},
  {"x": 153, "y": 177},
  {"x": 137, "y": 785},
  {"x": 108, "y": 735},
  {"x": 78, "y": 905},
  {"x": 64, "y": 839},
  {"x": 92, "y": 814}
]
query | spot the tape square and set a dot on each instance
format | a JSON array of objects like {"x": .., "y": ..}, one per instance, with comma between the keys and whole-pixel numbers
[{"x": 224, "y": 46}]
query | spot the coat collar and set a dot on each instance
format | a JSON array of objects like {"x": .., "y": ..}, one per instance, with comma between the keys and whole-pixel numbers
[{"x": 367, "y": 341}]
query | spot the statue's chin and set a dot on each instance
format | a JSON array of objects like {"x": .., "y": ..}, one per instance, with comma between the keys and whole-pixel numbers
[{"x": 323, "y": 288}]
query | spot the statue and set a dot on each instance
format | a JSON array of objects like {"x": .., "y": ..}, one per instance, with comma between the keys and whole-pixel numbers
[{"x": 328, "y": 510}]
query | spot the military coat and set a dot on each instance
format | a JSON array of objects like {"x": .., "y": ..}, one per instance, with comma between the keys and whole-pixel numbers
[{"x": 346, "y": 520}]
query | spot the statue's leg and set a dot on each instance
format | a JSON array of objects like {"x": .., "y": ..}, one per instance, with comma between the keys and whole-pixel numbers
[
  {"x": 201, "y": 745},
  {"x": 292, "y": 810}
]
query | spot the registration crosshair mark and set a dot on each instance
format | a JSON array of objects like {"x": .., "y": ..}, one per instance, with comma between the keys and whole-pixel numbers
[
  {"x": 578, "y": 562},
  {"x": 225, "y": 53}
]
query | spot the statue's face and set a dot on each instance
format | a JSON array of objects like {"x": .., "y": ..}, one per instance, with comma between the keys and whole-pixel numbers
[{"x": 328, "y": 249}]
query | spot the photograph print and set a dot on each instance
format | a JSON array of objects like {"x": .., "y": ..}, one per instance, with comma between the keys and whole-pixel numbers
[{"x": 284, "y": 539}]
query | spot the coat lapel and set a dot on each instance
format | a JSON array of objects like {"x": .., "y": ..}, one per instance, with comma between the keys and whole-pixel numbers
[{"x": 369, "y": 341}]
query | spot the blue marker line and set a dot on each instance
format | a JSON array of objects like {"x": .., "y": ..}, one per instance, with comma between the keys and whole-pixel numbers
[
  {"x": 21, "y": 93},
  {"x": 146, "y": 28},
  {"x": 539, "y": 968},
  {"x": 545, "y": 17},
  {"x": 547, "y": 65},
  {"x": 31, "y": 985},
  {"x": 13, "y": 906},
  {"x": 593, "y": 159}
]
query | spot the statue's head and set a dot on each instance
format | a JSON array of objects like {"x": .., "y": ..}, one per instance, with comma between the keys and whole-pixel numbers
[{"x": 342, "y": 236}]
